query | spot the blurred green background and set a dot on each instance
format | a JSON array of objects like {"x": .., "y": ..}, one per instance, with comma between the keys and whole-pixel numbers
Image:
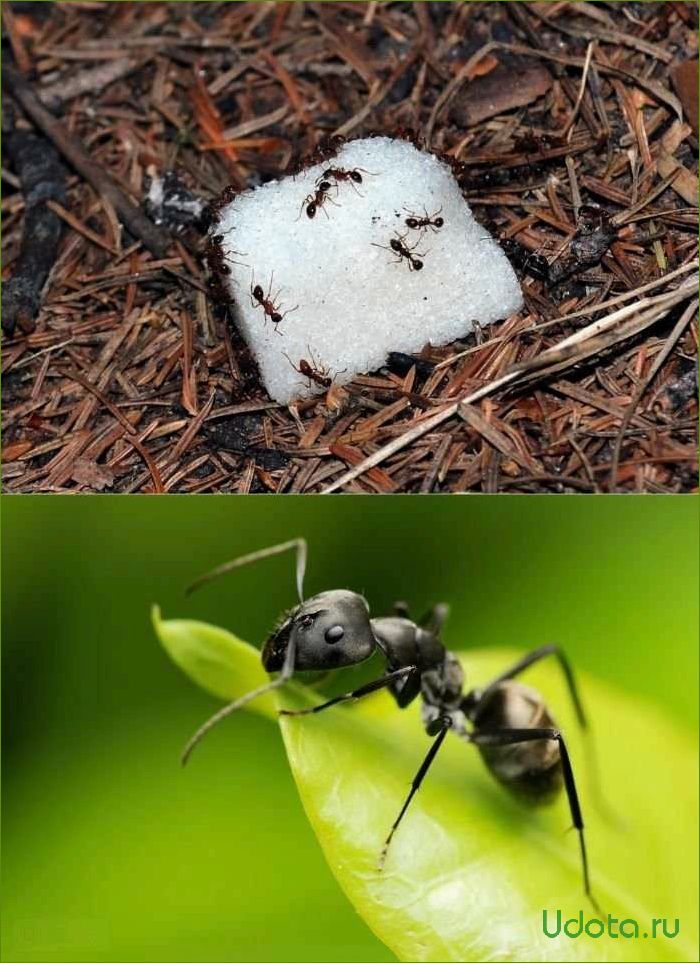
[{"x": 111, "y": 851}]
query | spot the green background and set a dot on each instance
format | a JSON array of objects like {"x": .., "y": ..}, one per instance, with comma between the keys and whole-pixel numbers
[{"x": 111, "y": 851}]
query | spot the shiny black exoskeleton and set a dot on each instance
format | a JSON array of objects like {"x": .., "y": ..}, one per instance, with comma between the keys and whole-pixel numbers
[{"x": 508, "y": 722}]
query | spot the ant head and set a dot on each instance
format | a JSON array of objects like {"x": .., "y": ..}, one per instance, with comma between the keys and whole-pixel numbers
[
  {"x": 356, "y": 176},
  {"x": 329, "y": 630},
  {"x": 438, "y": 222},
  {"x": 395, "y": 244},
  {"x": 417, "y": 265},
  {"x": 324, "y": 186},
  {"x": 258, "y": 293},
  {"x": 276, "y": 317}
]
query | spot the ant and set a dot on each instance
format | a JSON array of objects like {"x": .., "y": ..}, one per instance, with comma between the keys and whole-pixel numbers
[
  {"x": 508, "y": 722},
  {"x": 434, "y": 222},
  {"x": 326, "y": 149},
  {"x": 316, "y": 200},
  {"x": 312, "y": 370},
  {"x": 342, "y": 174},
  {"x": 271, "y": 309},
  {"x": 396, "y": 244},
  {"x": 213, "y": 210},
  {"x": 215, "y": 257},
  {"x": 529, "y": 262}
]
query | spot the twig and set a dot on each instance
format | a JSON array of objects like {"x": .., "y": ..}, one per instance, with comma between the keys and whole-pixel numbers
[
  {"x": 675, "y": 334},
  {"x": 70, "y": 146},
  {"x": 42, "y": 178},
  {"x": 554, "y": 359},
  {"x": 132, "y": 437}
]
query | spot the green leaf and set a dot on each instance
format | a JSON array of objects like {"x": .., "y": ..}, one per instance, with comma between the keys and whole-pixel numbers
[
  {"x": 214, "y": 659},
  {"x": 471, "y": 870}
]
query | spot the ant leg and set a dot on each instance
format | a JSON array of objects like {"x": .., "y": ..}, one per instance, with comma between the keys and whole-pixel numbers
[
  {"x": 435, "y": 618},
  {"x": 415, "y": 786},
  {"x": 507, "y": 737},
  {"x": 284, "y": 676},
  {"x": 405, "y": 671},
  {"x": 541, "y": 653},
  {"x": 536, "y": 655},
  {"x": 298, "y": 544}
]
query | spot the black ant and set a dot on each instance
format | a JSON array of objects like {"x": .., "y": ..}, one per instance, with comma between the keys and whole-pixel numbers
[
  {"x": 316, "y": 200},
  {"x": 434, "y": 222},
  {"x": 396, "y": 244},
  {"x": 529, "y": 262},
  {"x": 312, "y": 370},
  {"x": 509, "y": 723},
  {"x": 271, "y": 309}
]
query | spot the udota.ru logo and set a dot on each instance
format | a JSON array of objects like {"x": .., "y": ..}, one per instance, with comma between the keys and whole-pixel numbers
[{"x": 613, "y": 927}]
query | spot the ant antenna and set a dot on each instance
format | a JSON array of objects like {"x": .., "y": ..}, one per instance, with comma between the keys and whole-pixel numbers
[
  {"x": 284, "y": 676},
  {"x": 298, "y": 544}
]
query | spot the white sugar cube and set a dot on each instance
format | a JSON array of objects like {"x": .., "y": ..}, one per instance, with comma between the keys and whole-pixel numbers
[{"x": 355, "y": 280}]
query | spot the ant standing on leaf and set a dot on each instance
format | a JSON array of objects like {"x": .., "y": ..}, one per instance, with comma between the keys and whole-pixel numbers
[
  {"x": 259, "y": 299},
  {"x": 509, "y": 723},
  {"x": 396, "y": 244}
]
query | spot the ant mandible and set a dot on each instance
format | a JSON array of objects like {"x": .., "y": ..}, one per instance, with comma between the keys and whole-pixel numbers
[
  {"x": 397, "y": 245},
  {"x": 509, "y": 723},
  {"x": 434, "y": 222},
  {"x": 259, "y": 299}
]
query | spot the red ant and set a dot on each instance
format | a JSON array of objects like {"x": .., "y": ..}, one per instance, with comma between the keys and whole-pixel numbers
[
  {"x": 216, "y": 258},
  {"x": 312, "y": 370},
  {"x": 396, "y": 244},
  {"x": 316, "y": 200},
  {"x": 324, "y": 151},
  {"x": 271, "y": 309},
  {"x": 341, "y": 174},
  {"x": 429, "y": 221},
  {"x": 214, "y": 208}
]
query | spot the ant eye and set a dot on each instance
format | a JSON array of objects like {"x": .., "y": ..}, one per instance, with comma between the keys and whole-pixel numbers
[{"x": 334, "y": 634}]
